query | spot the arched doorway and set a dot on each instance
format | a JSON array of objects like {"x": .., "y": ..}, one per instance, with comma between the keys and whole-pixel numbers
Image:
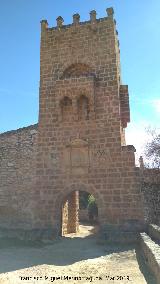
[{"x": 79, "y": 209}]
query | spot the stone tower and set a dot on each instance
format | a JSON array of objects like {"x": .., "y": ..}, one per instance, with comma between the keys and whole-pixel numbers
[{"x": 83, "y": 113}]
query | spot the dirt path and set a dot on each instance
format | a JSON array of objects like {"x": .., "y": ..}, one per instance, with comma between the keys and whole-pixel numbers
[{"x": 74, "y": 256}]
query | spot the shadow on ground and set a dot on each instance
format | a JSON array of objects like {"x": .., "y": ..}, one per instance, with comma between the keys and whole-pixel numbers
[
  {"x": 15, "y": 255},
  {"x": 149, "y": 277},
  {"x": 65, "y": 251}
]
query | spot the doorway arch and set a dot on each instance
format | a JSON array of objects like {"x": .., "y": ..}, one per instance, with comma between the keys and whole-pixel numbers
[{"x": 71, "y": 191}]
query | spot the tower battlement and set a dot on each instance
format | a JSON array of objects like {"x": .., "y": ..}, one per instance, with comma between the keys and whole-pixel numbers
[
  {"x": 92, "y": 42},
  {"x": 76, "y": 20}
]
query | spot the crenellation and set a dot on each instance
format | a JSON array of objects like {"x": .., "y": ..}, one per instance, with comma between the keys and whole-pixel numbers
[
  {"x": 93, "y": 15},
  {"x": 59, "y": 22},
  {"x": 76, "y": 19},
  {"x": 44, "y": 25},
  {"x": 141, "y": 163},
  {"x": 110, "y": 12}
]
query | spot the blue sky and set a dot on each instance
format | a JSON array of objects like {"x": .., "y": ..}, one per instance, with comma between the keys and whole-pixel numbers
[{"x": 138, "y": 23}]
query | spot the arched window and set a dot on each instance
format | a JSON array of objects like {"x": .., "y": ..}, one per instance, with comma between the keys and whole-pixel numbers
[
  {"x": 66, "y": 109},
  {"x": 83, "y": 108},
  {"x": 77, "y": 70}
]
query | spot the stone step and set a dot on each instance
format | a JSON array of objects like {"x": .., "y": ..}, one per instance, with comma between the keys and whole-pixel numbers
[
  {"x": 151, "y": 253},
  {"x": 154, "y": 233}
]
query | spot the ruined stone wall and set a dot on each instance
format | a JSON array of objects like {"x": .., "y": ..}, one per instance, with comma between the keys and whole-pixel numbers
[
  {"x": 17, "y": 173},
  {"x": 150, "y": 179},
  {"x": 151, "y": 194}
]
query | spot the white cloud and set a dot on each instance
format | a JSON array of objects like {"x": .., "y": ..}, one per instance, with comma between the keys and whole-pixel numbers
[{"x": 153, "y": 103}]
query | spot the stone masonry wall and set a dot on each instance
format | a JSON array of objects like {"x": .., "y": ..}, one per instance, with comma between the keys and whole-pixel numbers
[
  {"x": 70, "y": 218},
  {"x": 79, "y": 143},
  {"x": 150, "y": 180},
  {"x": 17, "y": 173},
  {"x": 152, "y": 203},
  {"x": 84, "y": 152}
]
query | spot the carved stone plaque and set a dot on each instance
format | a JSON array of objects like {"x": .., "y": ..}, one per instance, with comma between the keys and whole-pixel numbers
[
  {"x": 76, "y": 157},
  {"x": 79, "y": 157}
]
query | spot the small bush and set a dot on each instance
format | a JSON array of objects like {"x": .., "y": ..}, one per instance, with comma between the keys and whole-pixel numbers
[{"x": 92, "y": 208}]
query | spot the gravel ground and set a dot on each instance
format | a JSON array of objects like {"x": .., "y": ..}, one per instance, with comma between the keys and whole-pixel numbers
[{"x": 76, "y": 256}]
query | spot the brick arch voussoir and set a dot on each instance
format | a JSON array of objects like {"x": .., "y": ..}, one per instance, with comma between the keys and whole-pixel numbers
[
  {"x": 67, "y": 67},
  {"x": 83, "y": 94},
  {"x": 62, "y": 196}
]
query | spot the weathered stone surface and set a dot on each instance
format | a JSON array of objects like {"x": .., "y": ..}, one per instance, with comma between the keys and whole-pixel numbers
[
  {"x": 151, "y": 252},
  {"x": 17, "y": 177},
  {"x": 154, "y": 232},
  {"x": 79, "y": 143},
  {"x": 150, "y": 180}
]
